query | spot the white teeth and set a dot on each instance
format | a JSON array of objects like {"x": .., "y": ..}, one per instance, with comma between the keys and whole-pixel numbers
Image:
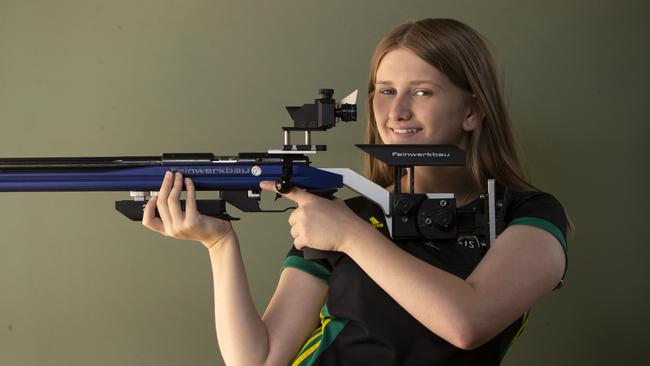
[{"x": 406, "y": 130}]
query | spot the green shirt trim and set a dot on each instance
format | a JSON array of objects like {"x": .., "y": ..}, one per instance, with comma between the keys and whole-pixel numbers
[
  {"x": 307, "y": 266},
  {"x": 542, "y": 224},
  {"x": 321, "y": 339},
  {"x": 549, "y": 227}
]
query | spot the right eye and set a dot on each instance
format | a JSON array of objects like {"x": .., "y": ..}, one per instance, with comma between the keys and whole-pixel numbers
[{"x": 387, "y": 91}]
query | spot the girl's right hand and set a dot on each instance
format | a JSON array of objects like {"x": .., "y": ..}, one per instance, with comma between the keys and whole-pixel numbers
[{"x": 179, "y": 224}]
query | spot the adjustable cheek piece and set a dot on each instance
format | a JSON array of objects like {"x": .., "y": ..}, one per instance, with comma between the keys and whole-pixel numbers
[{"x": 428, "y": 216}]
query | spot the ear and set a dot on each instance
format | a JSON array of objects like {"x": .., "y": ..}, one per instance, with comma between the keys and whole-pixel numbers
[{"x": 473, "y": 117}]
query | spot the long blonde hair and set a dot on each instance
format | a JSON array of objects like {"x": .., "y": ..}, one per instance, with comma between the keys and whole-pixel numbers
[{"x": 460, "y": 53}]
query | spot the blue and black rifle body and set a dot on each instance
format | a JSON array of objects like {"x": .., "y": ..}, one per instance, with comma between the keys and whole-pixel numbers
[
  {"x": 237, "y": 178},
  {"x": 408, "y": 215}
]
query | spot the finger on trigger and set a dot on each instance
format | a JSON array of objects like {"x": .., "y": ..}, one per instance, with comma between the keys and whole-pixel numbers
[
  {"x": 268, "y": 185},
  {"x": 295, "y": 194}
]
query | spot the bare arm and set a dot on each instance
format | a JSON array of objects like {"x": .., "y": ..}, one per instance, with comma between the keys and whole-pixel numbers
[
  {"x": 293, "y": 314},
  {"x": 245, "y": 338},
  {"x": 524, "y": 264}
]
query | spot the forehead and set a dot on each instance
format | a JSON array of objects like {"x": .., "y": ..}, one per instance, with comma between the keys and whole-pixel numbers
[{"x": 402, "y": 65}]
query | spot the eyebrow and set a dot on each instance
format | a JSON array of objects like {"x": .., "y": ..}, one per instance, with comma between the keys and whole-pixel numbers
[{"x": 414, "y": 82}]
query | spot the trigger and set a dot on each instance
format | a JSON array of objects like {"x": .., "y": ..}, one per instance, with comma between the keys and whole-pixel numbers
[{"x": 277, "y": 195}]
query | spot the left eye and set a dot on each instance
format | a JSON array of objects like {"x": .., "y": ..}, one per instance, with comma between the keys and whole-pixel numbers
[{"x": 422, "y": 92}]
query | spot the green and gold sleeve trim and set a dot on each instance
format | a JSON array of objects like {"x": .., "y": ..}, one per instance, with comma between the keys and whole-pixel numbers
[
  {"x": 307, "y": 266},
  {"x": 321, "y": 339}
]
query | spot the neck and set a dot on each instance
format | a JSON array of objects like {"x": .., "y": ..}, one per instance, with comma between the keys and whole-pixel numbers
[{"x": 443, "y": 179}]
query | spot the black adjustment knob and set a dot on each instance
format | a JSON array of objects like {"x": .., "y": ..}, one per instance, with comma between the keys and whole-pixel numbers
[
  {"x": 436, "y": 220},
  {"x": 443, "y": 217},
  {"x": 284, "y": 185},
  {"x": 325, "y": 93},
  {"x": 403, "y": 205}
]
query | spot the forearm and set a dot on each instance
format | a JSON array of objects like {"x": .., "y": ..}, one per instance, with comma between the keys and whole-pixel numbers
[
  {"x": 440, "y": 301},
  {"x": 242, "y": 335}
]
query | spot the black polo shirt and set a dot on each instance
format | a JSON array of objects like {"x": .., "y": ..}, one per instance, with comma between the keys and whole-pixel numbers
[{"x": 362, "y": 325}]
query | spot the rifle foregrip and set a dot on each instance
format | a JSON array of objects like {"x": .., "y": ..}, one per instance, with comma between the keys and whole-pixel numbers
[{"x": 214, "y": 208}]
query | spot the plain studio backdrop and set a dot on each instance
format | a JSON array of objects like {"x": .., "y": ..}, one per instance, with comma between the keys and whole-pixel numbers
[{"x": 81, "y": 285}]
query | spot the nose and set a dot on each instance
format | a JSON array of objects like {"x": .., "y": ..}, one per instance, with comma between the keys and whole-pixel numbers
[{"x": 400, "y": 109}]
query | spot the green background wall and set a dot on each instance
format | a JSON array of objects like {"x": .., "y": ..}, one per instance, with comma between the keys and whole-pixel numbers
[{"x": 80, "y": 285}]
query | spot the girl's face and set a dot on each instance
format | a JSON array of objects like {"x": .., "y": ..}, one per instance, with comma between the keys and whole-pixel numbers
[{"x": 414, "y": 103}]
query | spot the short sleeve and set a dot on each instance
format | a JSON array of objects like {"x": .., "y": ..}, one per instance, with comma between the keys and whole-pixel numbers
[
  {"x": 319, "y": 268},
  {"x": 322, "y": 266},
  {"x": 541, "y": 210}
]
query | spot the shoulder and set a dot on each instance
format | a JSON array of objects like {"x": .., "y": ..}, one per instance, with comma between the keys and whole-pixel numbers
[
  {"x": 541, "y": 210},
  {"x": 537, "y": 203},
  {"x": 536, "y": 208}
]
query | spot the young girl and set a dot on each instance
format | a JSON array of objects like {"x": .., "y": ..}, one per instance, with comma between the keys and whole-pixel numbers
[{"x": 406, "y": 302}]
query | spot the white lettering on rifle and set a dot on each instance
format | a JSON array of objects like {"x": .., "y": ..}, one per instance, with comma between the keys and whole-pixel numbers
[{"x": 213, "y": 171}]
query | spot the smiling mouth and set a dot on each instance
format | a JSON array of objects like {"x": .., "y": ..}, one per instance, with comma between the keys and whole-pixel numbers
[{"x": 406, "y": 131}]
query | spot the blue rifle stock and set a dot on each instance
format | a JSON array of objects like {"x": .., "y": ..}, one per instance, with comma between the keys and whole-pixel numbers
[{"x": 236, "y": 177}]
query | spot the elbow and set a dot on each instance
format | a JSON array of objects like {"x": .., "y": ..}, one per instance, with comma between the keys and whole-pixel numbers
[
  {"x": 466, "y": 342},
  {"x": 467, "y": 337}
]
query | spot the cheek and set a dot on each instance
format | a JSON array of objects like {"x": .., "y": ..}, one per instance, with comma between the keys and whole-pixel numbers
[
  {"x": 439, "y": 115},
  {"x": 442, "y": 126},
  {"x": 380, "y": 108}
]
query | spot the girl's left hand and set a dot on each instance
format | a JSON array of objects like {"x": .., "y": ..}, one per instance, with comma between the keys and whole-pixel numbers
[{"x": 318, "y": 222}]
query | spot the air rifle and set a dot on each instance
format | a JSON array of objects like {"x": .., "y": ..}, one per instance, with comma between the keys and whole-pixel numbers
[{"x": 407, "y": 215}]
